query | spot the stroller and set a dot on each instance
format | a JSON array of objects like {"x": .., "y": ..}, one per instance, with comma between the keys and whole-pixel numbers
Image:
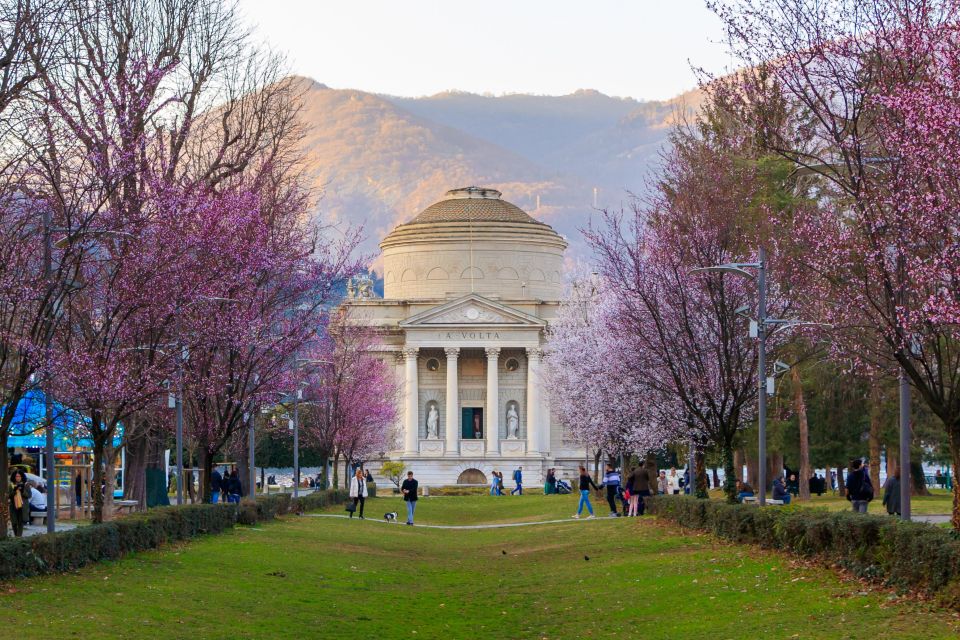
[{"x": 563, "y": 487}]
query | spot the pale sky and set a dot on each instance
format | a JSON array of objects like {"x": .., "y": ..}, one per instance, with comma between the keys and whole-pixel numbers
[{"x": 640, "y": 48}]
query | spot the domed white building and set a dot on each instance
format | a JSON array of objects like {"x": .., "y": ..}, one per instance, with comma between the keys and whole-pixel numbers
[{"x": 470, "y": 285}]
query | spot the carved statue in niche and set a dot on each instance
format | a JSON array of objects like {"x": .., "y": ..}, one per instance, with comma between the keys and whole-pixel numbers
[
  {"x": 433, "y": 422},
  {"x": 513, "y": 422}
]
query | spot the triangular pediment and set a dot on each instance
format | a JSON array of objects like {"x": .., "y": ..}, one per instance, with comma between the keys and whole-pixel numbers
[{"x": 472, "y": 310}]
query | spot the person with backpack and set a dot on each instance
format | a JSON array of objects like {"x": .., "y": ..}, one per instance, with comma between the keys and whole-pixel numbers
[
  {"x": 518, "y": 480},
  {"x": 859, "y": 486}
]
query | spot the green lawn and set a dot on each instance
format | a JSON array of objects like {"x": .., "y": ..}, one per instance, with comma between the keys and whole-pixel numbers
[
  {"x": 939, "y": 502},
  {"x": 319, "y": 577}
]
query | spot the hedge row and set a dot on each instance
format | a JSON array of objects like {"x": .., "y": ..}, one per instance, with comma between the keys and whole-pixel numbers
[
  {"x": 904, "y": 555},
  {"x": 70, "y": 550}
]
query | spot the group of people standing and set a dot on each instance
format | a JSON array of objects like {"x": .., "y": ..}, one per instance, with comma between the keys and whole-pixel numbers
[{"x": 226, "y": 487}]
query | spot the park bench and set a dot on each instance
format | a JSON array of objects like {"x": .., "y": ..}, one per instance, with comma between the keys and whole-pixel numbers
[
  {"x": 753, "y": 500},
  {"x": 125, "y": 505},
  {"x": 38, "y": 515}
]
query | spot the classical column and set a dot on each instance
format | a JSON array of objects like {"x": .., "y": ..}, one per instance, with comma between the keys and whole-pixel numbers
[
  {"x": 411, "y": 411},
  {"x": 534, "y": 406},
  {"x": 492, "y": 427},
  {"x": 453, "y": 402}
]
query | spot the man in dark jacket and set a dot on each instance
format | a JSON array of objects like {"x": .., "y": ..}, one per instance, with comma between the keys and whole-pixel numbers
[
  {"x": 859, "y": 487},
  {"x": 235, "y": 487},
  {"x": 409, "y": 491},
  {"x": 216, "y": 482},
  {"x": 780, "y": 492}
]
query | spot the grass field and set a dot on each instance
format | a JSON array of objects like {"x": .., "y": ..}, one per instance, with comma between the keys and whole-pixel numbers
[{"x": 321, "y": 577}]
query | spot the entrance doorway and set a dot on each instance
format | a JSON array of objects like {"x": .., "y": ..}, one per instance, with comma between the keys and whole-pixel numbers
[
  {"x": 471, "y": 423},
  {"x": 472, "y": 476}
]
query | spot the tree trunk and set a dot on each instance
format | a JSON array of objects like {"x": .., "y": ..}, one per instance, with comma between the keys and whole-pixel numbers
[
  {"x": 4, "y": 479},
  {"x": 774, "y": 468},
  {"x": 323, "y": 472},
  {"x": 99, "y": 444},
  {"x": 891, "y": 456},
  {"x": 336, "y": 470},
  {"x": 800, "y": 408},
  {"x": 700, "y": 484},
  {"x": 206, "y": 477},
  {"x": 841, "y": 489},
  {"x": 876, "y": 420},
  {"x": 731, "y": 474},
  {"x": 137, "y": 441},
  {"x": 953, "y": 431},
  {"x": 110, "y": 476},
  {"x": 596, "y": 466},
  {"x": 753, "y": 471}
]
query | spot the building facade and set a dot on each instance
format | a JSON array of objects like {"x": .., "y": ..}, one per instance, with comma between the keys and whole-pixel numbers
[{"x": 470, "y": 285}]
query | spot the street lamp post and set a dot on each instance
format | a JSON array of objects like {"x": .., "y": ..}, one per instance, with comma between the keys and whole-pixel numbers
[
  {"x": 762, "y": 374},
  {"x": 739, "y": 268},
  {"x": 47, "y": 404},
  {"x": 296, "y": 443},
  {"x": 252, "y": 488}
]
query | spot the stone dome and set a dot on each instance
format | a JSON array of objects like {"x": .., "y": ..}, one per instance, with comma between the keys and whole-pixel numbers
[
  {"x": 473, "y": 204},
  {"x": 472, "y": 241}
]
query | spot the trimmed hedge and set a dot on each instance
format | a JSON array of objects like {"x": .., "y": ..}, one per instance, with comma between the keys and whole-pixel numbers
[
  {"x": 70, "y": 550},
  {"x": 318, "y": 500},
  {"x": 903, "y": 555}
]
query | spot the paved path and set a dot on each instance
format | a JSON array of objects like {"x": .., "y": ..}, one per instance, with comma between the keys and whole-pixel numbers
[
  {"x": 503, "y": 525},
  {"x": 938, "y": 518}
]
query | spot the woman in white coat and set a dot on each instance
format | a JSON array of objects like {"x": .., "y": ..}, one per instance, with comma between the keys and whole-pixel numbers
[
  {"x": 673, "y": 482},
  {"x": 358, "y": 491}
]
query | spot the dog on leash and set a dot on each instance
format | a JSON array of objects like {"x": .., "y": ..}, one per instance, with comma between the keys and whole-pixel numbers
[{"x": 390, "y": 517}]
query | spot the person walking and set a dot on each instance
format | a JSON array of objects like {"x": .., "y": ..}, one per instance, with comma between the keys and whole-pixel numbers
[
  {"x": 216, "y": 482},
  {"x": 638, "y": 483},
  {"x": 611, "y": 480},
  {"x": 18, "y": 496},
  {"x": 585, "y": 483},
  {"x": 358, "y": 491},
  {"x": 859, "y": 486},
  {"x": 493, "y": 483},
  {"x": 518, "y": 480},
  {"x": 409, "y": 491},
  {"x": 663, "y": 485},
  {"x": 235, "y": 487},
  {"x": 891, "y": 493}
]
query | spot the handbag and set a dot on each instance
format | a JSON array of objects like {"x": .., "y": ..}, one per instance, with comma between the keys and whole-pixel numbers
[
  {"x": 351, "y": 506},
  {"x": 17, "y": 500}
]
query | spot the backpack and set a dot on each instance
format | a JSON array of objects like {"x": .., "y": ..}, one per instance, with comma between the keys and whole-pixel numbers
[{"x": 866, "y": 489}]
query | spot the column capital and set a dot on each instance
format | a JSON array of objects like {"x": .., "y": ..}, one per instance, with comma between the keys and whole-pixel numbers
[
  {"x": 492, "y": 352},
  {"x": 534, "y": 353},
  {"x": 452, "y": 352},
  {"x": 411, "y": 352}
]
